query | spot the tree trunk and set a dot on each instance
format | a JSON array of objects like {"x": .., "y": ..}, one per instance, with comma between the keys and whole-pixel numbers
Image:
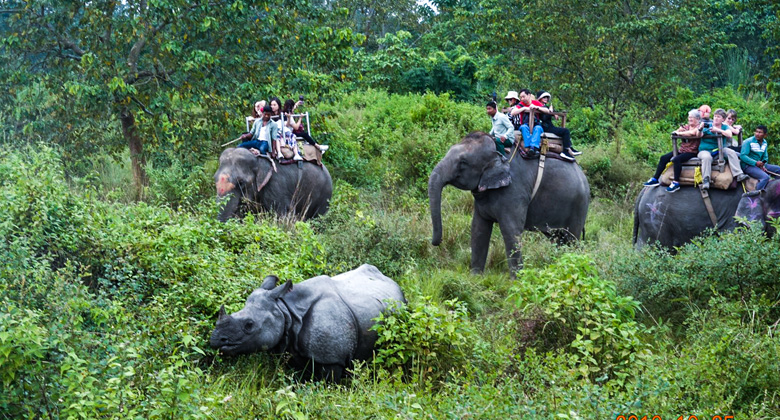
[{"x": 130, "y": 132}]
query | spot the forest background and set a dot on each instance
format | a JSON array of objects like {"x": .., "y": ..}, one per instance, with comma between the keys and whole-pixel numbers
[{"x": 113, "y": 266}]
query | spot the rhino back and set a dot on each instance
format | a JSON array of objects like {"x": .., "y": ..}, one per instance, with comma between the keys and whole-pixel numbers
[{"x": 366, "y": 291}]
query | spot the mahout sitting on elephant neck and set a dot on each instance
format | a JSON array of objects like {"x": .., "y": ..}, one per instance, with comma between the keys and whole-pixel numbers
[
  {"x": 323, "y": 322},
  {"x": 502, "y": 191}
]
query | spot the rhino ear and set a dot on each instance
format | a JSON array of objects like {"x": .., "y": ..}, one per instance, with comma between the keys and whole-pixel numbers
[
  {"x": 280, "y": 291},
  {"x": 495, "y": 175},
  {"x": 222, "y": 314},
  {"x": 269, "y": 282}
]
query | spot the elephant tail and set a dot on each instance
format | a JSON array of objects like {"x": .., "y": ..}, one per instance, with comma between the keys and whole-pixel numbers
[{"x": 636, "y": 216}]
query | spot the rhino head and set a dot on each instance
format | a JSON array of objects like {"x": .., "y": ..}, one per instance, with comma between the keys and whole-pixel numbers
[{"x": 258, "y": 326}]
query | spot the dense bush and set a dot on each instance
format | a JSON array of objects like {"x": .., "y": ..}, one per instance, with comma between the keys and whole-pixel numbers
[
  {"x": 424, "y": 340},
  {"x": 380, "y": 139},
  {"x": 735, "y": 265},
  {"x": 569, "y": 305}
]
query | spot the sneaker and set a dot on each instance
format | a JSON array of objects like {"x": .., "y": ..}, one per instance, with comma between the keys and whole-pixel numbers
[
  {"x": 673, "y": 188},
  {"x": 566, "y": 156},
  {"x": 574, "y": 152},
  {"x": 706, "y": 184},
  {"x": 323, "y": 147},
  {"x": 741, "y": 177},
  {"x": 652, "y": 182},
  {"x": 297, "y": 157},
  {"x": 280, "y": 156}
]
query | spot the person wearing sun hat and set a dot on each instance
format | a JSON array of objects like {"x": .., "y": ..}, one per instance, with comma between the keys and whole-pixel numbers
[
  {"x": 547, "y": 125},
  {"x": 514, "y": 101}
]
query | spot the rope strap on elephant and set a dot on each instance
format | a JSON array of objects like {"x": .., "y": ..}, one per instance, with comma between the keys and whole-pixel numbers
[
  {"x": 705, "y": 195},
  {"x": 542, "y": 158}
]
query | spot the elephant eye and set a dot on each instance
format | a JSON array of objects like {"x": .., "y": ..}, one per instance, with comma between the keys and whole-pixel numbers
[{"x": 248, "y": 326}]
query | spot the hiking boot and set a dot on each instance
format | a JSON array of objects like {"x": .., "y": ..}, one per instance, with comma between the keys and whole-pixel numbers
[
  {"x": 566, "y": 156},
  {"x": 652, "y": 182},
  {"x": 741, "y": 177},
  {"x": 706, "y": 184},
  {"x": 574, "y": 152},
  {"x": 673, "y": 188}
]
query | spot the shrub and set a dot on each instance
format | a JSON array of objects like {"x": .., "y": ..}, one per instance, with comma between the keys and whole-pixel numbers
[
  {"x": 178, "y": 186},
  {"x": 353, "y": 233},
  {"x": 611, "y": 174},
  {"x": 732, "y": 265},
  {"x": 423, "y": 339},
  {"x": 576, "y": 309}
]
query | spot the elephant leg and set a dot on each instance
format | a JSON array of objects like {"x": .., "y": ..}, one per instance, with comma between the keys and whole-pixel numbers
[
  {"x": 511, "y": 233},
  {"x": 481, "y": 230}
]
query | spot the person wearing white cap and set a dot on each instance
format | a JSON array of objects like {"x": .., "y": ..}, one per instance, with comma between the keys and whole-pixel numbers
[
  {"x": 547, "y": 125},
  {"x": 531, "y": 140},
  {"x": 514, "y": 101}
]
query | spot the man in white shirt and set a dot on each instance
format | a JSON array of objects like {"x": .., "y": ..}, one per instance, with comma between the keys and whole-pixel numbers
[{"x": 503, "y": 132}]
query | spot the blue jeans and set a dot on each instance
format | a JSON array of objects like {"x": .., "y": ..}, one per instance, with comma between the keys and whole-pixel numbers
[
  {"x": 528, "y": 139},
  {"x": 761, "y": 176},
  {"x": 262, "y": 146}
]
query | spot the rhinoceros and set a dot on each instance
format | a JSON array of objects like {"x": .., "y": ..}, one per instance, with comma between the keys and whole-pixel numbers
[{"x": 324, "y": 322}]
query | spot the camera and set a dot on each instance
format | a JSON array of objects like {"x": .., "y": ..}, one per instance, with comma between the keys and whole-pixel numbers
[{"x": 300, "y": 98}]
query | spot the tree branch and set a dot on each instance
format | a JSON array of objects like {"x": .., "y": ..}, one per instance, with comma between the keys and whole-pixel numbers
[
  {"x": 65, "y": 43},
  {"x": 143, "y": 107}
]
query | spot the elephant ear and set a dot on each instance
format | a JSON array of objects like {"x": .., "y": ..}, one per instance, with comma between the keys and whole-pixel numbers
[
  {"x": 496, "y": 175},
  {"x": 751, "y": 209},
  {"x": 262, "y": 183}
]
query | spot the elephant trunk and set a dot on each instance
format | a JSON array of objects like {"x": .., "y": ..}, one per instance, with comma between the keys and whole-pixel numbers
[
  {"x": 231, "y": 207},
  {"x": 435, "y": 185}
]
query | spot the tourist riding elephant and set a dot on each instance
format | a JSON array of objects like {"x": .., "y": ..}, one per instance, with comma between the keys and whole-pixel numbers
[
  {"x": 502, "y": 190},
  {"x": 672, "y": 220},
  {"x": 285, "y": 189}
]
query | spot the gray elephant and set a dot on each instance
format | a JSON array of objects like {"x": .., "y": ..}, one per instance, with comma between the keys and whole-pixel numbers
[
  {"x": 324, "y": 322},
  {"x": 502, "y": 190},
  {"x": 672, "y": 220},
  {"x": 289, "y": 189}
]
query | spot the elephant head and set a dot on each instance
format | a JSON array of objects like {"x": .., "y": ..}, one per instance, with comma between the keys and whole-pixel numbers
[
  {"x": 473, "y": 164},
  {"x": 240, "y": 174},
  {"x": 762, "y": 207},
  {"x": 259, "y": 326}
]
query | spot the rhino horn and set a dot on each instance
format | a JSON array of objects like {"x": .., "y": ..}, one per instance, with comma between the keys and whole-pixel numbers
[{"x": 222, "y": 314}]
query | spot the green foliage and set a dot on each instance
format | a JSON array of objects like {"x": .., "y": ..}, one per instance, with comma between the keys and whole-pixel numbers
[
  {"x": 385, "y": 140},
  {"x": 585, "y": 313},
  {"x": 423, "y": 339},
  {"x": 23, "y": 346},
  {"x": 611, "y": 174},
  {"x": 354, "y": 235},
  {"x": 178, "y": 186},
  {"x": 734, "y": 265}
]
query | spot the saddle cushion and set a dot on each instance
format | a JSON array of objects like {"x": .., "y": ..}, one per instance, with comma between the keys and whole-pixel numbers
[
  {"x": 720, "y": 180},
  {"x": 554, "y": 143}
]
